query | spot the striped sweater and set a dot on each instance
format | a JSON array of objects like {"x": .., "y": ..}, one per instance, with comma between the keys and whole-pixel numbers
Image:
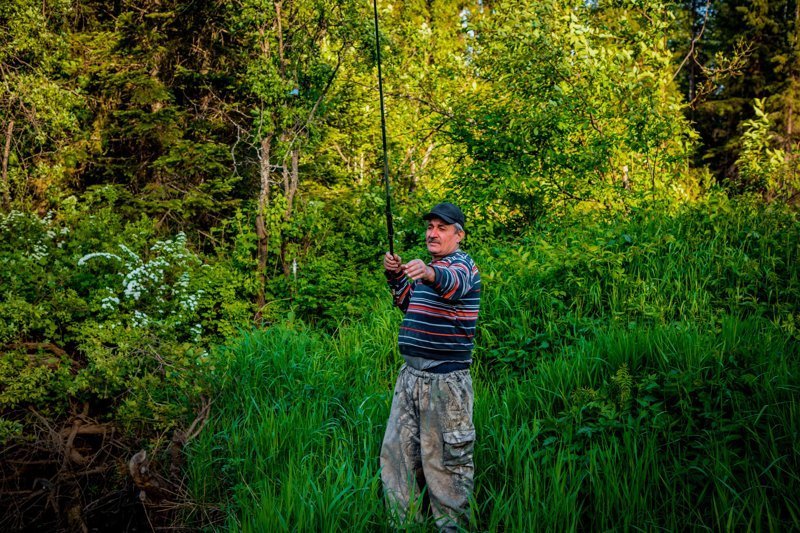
[{"x": 440, "y": 317}]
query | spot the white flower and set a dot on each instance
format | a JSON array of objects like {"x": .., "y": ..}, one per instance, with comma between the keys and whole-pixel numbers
[
  {"x": 109, "y": 303},
  {"x": 140, "y": 320},
  {"x": 86, "y": 257},
  {"x": 133, "y": 258},
  {"x": 39, "y": 251}
]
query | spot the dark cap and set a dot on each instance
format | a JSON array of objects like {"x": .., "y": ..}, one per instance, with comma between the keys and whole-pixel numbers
[{"x": 448, "y": 212}]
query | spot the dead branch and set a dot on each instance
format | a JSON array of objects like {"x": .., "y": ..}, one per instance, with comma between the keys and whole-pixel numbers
[
  {"x": 46, "y": 346},
  {"x": 181, "y": 438},
  {"x": 6, "y": 153},
  {"x": 694, "y": 40},
  {"x": 91, "y": 429}
]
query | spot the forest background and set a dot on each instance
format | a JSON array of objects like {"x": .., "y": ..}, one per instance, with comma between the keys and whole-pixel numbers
[{"x": 195, "y": 331}]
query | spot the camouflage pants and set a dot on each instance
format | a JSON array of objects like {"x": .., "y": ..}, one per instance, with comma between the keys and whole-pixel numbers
[{"x": 428, "y": 444}]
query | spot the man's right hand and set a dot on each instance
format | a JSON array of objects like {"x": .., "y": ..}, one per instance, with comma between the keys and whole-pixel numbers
[{"x": 392, "y": 262}]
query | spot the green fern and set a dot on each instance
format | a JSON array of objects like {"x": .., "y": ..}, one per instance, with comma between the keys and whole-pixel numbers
[{"x": 623, "y": 383}]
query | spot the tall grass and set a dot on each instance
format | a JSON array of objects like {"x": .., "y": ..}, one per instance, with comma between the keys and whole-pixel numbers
[
  {"x": 638, "y": 376},
  {"x": 565, "y": 283},
  {"x": 296, "y": 436},
  {"x": 691, "y": 450}
]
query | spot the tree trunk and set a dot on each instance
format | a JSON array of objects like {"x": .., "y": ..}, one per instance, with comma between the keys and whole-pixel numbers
[
  {"x": 793, "y": 79},
  {"x": 261, "y": 227},
  {"x": 692, "y": 74},
  {"x": 6, "y": 154},
  {"x": 412, "y": 169},
  {"x": 278, "y": 6},
  {"x": 626, "y": 184},
  {"x": 290, "y": 180},
  {"x": 425, "y": 159},
  {"x": 290, "y": 183},
  {"x": 791, "y": 156},
  {"x": 295, "y": 177}
]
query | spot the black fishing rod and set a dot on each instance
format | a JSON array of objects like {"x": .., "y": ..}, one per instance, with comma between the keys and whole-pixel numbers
[{"x": 389, "y": 225}]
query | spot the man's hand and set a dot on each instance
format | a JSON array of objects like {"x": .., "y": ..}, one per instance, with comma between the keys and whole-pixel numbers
[
  {"x": 417, "y": 269},
  {"x": 392, "y": 263}
]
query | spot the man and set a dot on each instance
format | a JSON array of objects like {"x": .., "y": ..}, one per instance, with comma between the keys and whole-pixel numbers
[{"x": 430, "y": 436}]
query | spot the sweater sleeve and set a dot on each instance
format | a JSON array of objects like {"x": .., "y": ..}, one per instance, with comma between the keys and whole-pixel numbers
[
  {"x": 401, "y": 289},
  {"x": 452, "y": 281}
]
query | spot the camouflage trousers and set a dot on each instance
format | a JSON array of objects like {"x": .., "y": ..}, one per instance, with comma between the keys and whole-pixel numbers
[{"x": 428, "y": 445}]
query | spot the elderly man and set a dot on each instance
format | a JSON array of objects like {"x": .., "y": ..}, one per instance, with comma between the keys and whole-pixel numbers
[{"x": 430, "y": 435}]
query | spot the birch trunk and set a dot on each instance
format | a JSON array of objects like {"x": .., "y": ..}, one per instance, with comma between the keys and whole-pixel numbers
[
  {"x": 261, "y": 227},
  {"x": 290, "y": 181},
  {"x": 6, "y": 154}
]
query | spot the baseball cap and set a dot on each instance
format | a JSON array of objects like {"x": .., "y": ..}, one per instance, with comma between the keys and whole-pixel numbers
[{"x": 448, "y": 212}]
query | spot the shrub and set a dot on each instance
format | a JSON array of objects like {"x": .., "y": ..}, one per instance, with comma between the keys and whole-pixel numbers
[{"x": 99, "y": 310}]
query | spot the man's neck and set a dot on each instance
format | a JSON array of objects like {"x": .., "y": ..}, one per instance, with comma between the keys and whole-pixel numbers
[{"x": 438, "y": 257}]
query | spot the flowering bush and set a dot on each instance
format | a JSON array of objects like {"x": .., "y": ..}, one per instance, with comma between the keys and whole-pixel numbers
[
  {"x": 96, "y": 310},
  {"x": 146, "y": 293}
]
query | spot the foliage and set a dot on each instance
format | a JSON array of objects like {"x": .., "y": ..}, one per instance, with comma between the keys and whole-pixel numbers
[
  {"x": 764, "y": 36},
  {"x": 40, "y": 106},
  {"x": 570, "y": 104},
  {"x": 566, "y": 282},
  {"x": 333, "y": 247},
  {"x": 99, "y": 310},
  {"x": 660, "y": 347},
  {"x": 634, "y": 321},
  {"x": 763, "y": 164},
  {"x": 656, "y": 427},
  {"x": 536, "y": 104},
  {"x": 284, "y": 404}
]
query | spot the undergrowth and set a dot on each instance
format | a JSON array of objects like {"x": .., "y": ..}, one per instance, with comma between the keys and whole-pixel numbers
[
  {"x": 634, "y": 375},
  {"x": 669, "y": 427}
]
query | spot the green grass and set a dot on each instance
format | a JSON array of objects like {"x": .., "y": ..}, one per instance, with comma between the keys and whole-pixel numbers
[
  {"x": 295, "y": 440},
  {"x": 706, "y": 440},
  {"x": 628, "y": 383}
]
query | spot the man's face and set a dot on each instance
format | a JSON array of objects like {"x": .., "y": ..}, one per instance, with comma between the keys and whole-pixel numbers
[{"x": 442, "y": 238}]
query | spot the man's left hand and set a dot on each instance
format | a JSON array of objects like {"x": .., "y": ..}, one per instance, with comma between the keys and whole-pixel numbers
[{"x": 417, "y": 269}]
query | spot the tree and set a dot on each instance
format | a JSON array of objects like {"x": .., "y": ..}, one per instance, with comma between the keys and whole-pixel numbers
[
  {"x": 39, "y": 103},
  {"x": 573, "y": 103},
  {"x": 154, "y": 72},
  {"x": 290, "y": 53},
  {"x": 766, "y": 34}
]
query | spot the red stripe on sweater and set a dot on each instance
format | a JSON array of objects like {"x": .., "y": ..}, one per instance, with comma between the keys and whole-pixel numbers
[
  {"x": 435, "y": 311},
  {"x": 436, "y": 334}
]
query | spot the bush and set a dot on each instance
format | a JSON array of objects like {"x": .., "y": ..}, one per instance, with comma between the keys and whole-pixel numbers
[
  {"x": 698, "y": 264},
  {"x": 99, "y": 310}
]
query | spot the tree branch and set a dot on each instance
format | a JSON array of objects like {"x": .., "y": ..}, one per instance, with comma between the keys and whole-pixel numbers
[{"x": 694, "y": 39}]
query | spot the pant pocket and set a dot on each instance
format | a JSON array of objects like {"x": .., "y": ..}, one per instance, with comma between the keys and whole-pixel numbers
[{"x": 458, "y": 447}]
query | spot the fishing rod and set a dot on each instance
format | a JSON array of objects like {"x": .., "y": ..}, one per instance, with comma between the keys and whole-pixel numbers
[{"x": 389, "y": 225}]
